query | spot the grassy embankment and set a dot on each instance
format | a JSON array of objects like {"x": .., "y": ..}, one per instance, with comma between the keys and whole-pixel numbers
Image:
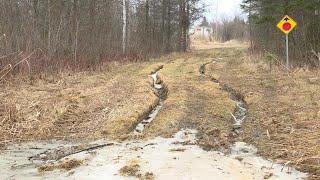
[{"x": 284, "y": 108}]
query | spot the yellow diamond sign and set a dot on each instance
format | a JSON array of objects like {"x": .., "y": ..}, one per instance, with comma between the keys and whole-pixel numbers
[{"x": 287, "y": 24}]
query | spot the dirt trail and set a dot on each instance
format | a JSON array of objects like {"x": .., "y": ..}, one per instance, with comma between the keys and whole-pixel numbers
[{"x": 181, "y": 126}]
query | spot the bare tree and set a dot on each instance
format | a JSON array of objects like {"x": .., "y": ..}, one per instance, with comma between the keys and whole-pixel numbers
[
  {"x": 124, "y": 29},
  {"x": 80, "y": 33}
]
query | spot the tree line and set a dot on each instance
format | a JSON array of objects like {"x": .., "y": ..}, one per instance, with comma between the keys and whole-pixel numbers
[
  {"x": 230, "y": 29},
  {"x": 81, "y": 33},
  {"x": 304, "y": 41}
]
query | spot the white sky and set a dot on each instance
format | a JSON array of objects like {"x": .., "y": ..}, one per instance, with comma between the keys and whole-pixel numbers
[{"x": 226, "y": 9}]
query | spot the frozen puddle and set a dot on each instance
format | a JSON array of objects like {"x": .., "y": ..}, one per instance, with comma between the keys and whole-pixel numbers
[{"x": 175, "y": 158}]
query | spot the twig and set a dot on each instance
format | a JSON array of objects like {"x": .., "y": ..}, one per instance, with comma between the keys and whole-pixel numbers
[
  {"x": 8, "y": 67},
  {"x": 87, "y": 149},
  {"x": 316, "y": 54},
  {"x": 1, "y": 57},
  {"x": 286, "y": 164},
  {"x": 75, "y": 152},
  {"x": 268, "y": 134},
  {"x": 233, "y": 116},
  {"x": 23, "y": 60}
]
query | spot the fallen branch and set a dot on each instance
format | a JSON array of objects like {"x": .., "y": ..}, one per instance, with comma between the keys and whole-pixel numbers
[
  {"x": 72, "y": 152},
  {"x": 2, "y": 57},
  {"x": 316, "y": 54},
  {"x": 268, "y": 134},
  {"x": 87, "y": 149},
  {"x": 235, "y": 119},
  {"x": 6, "y": 69},
  {"x": 284, "y": 165},
  {"x": 18, "y": 63}
]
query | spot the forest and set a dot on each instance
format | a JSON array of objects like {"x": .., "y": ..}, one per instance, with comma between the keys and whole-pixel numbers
[
  {"x": 81, "y": 34},
  {"x": 304, "y": 41}
]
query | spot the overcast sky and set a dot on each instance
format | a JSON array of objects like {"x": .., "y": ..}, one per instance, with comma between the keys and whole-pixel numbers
[{"x": 226, "y": 9}]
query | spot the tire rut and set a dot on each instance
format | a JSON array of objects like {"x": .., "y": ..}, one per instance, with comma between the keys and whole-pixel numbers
[
  {"x": 240, "y": 113},
  {"x": 161, "y": 91}
]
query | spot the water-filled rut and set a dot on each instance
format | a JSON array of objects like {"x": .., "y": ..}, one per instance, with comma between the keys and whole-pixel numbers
[
  {"x": 161, "y": 91},
  {"x": 240, "y": 113}
]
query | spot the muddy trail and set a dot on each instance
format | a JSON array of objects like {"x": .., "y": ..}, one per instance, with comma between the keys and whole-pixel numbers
[{"x": 175, "y": 157}]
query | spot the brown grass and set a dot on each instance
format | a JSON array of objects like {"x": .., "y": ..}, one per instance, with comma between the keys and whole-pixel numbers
[
  {"x": 65, "y": 165},
  {"x": 91, "y": 105},
  {"x": 177, "y": 150},
  {"x": 79, "y": 106},
  {"x": 193, "y": 102},
  {"x": 283, "y": 119},
  {"x": 201, "y": 45},
  {"x": 148, "y": 176},
  {"x": 131, "y": 169}
]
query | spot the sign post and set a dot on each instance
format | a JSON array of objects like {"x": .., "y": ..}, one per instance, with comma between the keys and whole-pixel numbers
[
  {"x": 287, "y": 50},
  {"x": 286, "y": 25}
]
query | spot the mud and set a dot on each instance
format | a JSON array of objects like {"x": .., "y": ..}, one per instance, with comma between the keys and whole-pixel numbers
[{"x": 158, "y": 156}]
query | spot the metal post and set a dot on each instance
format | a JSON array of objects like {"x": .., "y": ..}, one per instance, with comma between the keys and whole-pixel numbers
[
  {"x": 217, "y": 9},
  {"x": 287, "y": 50}
]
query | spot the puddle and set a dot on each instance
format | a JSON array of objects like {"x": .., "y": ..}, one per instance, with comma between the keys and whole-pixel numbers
[
  {"x": 161, "y": 92},
  {"x": 171, "y": 158}
]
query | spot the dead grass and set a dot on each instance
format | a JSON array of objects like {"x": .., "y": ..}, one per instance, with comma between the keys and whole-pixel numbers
[
  {"x": 193, "y": 102},
  {"x": 131, "y": 169},
  {"x": 201, "y": 45},
  {"x": 82, "y": 106},
  {"x": 177, "y": 150},
  {"x": 65, "y": 165},
  {"x": 283, "y": 119},
  {"x": 148, "y": 176},
  {"x": 88, "y": 106}
]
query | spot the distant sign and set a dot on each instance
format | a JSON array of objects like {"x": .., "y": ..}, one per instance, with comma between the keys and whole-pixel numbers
[{"x": 287, "y": 24}]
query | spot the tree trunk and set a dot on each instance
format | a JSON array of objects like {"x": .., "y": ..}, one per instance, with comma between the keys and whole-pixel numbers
[
  {"x": 124, "y": 28},
  {"x": 168, "y": 43}
]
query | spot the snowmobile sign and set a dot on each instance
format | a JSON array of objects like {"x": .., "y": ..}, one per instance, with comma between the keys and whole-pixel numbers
[{"x": 287, "y": 24}]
